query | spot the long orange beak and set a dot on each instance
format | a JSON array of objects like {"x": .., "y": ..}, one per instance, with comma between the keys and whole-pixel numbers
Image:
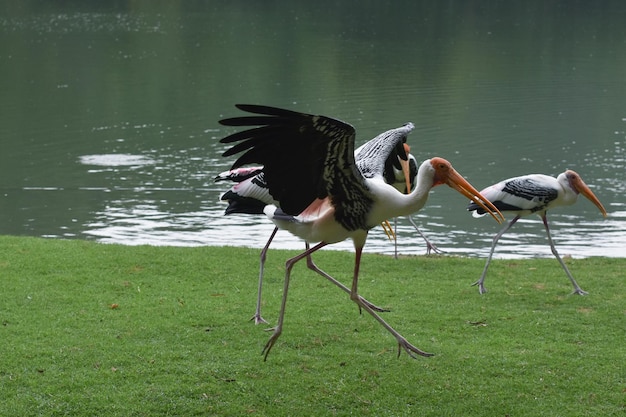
[
  {"x": 582, "y": 188},
  {"x": 407, "y": 172},
  {"x": 446, "y": 174}
]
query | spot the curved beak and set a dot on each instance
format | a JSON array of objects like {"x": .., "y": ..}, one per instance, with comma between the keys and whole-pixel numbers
[
  {"x": 404, "y": 163},
  {"x": 456, "y": 181},
  {"x": 582, "y": 188}
]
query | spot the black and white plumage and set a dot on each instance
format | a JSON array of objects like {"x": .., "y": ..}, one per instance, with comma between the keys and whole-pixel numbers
[
  {"x": 534, "y": 193},
  {"x": 251, "y": 193},
  {"x": 396, "y": 176},
  {"x": 323, "y": 195}
]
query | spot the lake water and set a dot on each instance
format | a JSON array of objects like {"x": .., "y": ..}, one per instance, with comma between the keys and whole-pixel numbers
[{"x": 108, "y": 121}]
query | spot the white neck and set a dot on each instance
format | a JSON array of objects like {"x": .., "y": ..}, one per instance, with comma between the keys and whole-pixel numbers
[{"x": 397, "y": 204}]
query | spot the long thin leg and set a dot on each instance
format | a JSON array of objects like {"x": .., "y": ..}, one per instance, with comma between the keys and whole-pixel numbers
[
  {"x": 258, "y": 319},
  {"x": 429, "y": 246},
  {"x": 480, "y": 282},
  {"x": 577, "y": 289},
  {"x": 395, "y": 239},
  {"x": 311, "y": 265},
  {"x": 354, "y": 296},
  {"x": 279, "y": 326},
  {"x": 257, "y": 315}
]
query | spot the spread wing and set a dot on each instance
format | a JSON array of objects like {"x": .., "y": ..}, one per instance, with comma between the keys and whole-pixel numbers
[
  {"x": 304, "y": 157},
  {"x": 379, "y": 156}
]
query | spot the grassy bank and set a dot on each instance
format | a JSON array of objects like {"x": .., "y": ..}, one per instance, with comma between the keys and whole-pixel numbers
[{"x": 93, "y": 329}]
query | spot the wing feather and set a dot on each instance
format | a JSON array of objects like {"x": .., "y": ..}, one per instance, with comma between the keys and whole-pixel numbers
[
  {"x": 381, "y": 153},
  {"x": 304, "y": 156},
  {"x": 526, "y": 194}
]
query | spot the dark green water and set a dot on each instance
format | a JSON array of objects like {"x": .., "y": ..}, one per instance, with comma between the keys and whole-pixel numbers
[{"x": 108, "y": 119}]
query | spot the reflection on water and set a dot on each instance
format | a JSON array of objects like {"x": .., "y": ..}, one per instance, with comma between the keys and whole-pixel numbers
[
  {"x": 116, "y": 159},
  {"x": 159, "y": 216},
  {"x": 145, "y": 224},
  {"x": 185, "y": 216},
  {"x": 108, "y": 128}
]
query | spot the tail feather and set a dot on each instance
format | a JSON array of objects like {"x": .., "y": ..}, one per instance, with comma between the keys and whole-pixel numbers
[
  {"x": 478, "y": 211},
  {"x": 242, "y": 205},
  {"x": 239, "y": 174}
]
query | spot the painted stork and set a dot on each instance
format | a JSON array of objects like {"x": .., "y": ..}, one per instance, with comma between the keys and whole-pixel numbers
[
  {"x": 535, "y": 193},
  {"x": 250, "y": 195},
  {"x": 324, "y": 196},
  {"x": 396, "y": 176}
]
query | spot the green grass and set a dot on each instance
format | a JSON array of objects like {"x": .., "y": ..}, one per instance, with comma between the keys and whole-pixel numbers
[{"x": 90, "y": 329}]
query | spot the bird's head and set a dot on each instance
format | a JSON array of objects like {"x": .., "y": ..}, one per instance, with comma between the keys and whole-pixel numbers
[
  {"x": 578, "y": 185},
  {"x": 444, "y": 173}
]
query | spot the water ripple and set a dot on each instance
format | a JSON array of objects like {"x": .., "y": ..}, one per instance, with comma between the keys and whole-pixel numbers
[{"x": 145, "y": 223}]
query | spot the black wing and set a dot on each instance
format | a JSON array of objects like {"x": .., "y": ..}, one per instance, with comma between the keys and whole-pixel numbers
[{"x": 304, "y": 156}]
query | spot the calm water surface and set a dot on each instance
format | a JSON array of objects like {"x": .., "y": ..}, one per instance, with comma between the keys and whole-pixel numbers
[{"x": 108, "y": 123}]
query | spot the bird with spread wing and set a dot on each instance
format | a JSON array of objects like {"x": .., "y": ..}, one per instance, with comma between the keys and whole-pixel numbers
[
  {"x": 324, "y": 195},
  {"x": 250, "y": 194}
]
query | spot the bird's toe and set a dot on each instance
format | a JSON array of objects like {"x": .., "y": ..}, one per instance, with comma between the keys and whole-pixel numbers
[{"x": 258, "y": 319}]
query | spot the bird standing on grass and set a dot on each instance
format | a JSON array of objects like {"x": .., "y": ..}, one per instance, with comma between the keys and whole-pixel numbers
[
  {"x": 250, "y": 195},
  {"x": 324, "y": 197},
  {"x": 535, "y": 193}
]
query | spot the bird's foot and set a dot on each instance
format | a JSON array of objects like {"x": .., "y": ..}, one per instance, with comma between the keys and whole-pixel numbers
[
  {"x": 258, "y": 319},
  {"x": 432, "y": 248},
  {"x": 580, "y": 291},
  {"x": 373, "y": 307},
  {"x": 270, "y": 342},
  {"x": 481, "y": 286},
  {"x": 410, "y": 349},
  {"x": 402, "y": 342}
]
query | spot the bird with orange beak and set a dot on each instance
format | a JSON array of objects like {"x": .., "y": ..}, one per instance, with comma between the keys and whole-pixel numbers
[
  {"x": 328, "y": 195},
  {"x": 535, "y": 193}
]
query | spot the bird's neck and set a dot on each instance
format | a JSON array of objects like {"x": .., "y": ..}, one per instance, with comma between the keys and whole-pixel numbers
[
  {"x": 394, "y": 203},
  {"x": 418, "y": 196}
]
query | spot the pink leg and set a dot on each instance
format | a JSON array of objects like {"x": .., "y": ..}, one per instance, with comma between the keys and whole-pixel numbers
[
  {"x": 354, "y": 296},
  {"x": 311, "y": 265}
]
